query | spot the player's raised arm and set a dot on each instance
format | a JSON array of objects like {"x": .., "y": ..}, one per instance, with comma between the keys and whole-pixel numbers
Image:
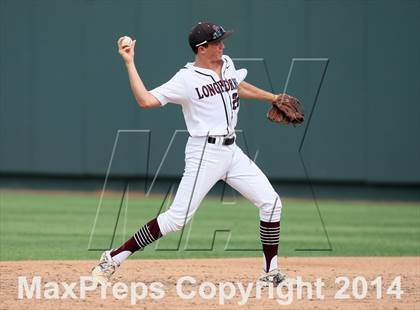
[
  {"x": 142, "y": 95},
  {"x": 249, "y": 91}
]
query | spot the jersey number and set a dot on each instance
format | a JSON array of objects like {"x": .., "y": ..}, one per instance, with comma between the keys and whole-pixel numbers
[{"x": 235, "y": 101}]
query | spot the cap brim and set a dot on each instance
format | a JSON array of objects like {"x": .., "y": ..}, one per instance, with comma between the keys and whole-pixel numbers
[{"x": 224, "y": 36}]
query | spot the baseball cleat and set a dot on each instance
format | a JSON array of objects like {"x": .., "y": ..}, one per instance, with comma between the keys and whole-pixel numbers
[
  {"x": 274, "y": 277},
  {"x": 103, "y": 272}
]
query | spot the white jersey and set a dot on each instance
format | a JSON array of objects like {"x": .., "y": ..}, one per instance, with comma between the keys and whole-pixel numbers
[{"x": 210, "y": 104}]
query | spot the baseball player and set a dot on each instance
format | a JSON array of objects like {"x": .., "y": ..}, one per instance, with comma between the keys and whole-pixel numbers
[{"x": 209, "y": 91}]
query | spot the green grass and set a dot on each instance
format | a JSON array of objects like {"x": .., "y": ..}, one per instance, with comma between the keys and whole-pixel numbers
[{"x": 58, "y": 225}]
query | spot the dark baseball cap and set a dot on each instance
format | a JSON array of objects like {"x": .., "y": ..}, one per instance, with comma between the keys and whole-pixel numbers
[{"x": 205, "y": 32}]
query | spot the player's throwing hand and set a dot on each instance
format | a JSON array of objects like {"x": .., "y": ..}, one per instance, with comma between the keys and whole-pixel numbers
[{"x": 126, "y": 50}]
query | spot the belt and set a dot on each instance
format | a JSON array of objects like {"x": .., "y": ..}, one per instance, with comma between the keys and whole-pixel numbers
[{"x": 222, "y": 140}]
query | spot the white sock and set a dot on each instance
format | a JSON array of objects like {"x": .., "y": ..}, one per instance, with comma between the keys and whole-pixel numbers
[
  {"x": 273, "y": 264},
  {"x": 120, "y": 257}
]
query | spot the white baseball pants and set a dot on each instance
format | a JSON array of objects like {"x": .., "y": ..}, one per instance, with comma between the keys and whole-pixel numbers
[{"x": 207, "y": 163}]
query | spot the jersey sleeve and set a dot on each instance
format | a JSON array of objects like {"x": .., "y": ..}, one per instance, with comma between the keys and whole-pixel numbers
[
  {"x": 171, "y": 91},
  {"x": 240, "y": 73}
]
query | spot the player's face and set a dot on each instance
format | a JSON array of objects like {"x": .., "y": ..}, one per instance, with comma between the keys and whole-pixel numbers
[{"x": 214, "y": 50}]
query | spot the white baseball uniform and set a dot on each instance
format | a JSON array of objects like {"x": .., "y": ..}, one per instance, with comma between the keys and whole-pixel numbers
[{"x": 210, "y": 106}]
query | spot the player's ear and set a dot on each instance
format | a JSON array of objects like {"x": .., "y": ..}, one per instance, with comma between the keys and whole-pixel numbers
[{"x": 202, "y": 48}]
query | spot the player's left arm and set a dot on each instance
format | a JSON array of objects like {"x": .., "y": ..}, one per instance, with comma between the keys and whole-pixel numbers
[{"x": 249, "y": 91}]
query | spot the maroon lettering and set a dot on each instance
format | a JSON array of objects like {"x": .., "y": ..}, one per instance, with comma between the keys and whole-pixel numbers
[
  {"x": 235, "y": 82},
  {"x": 227, "y": 86},
  {"x": 200, "y": 96},
  {"x": 217, "y": 87},
  {"x": 221, "y": 85},
  {"x": 211, "y": 89},
  {"x": 231, "y": 84},
  {"x": 205, "y": 91}
]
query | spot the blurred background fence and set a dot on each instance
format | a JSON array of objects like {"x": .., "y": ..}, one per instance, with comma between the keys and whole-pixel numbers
[{"x": 64, "y": 92}]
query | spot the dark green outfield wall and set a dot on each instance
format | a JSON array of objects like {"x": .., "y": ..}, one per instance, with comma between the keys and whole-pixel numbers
[{"x": 64, "y": 92}]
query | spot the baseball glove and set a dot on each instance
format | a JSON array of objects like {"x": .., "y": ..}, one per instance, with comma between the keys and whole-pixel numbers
[{"x": 285, "y": 110}]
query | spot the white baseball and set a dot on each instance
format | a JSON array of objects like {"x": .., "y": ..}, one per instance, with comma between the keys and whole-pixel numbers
[{"x": 126, "y": 42}]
